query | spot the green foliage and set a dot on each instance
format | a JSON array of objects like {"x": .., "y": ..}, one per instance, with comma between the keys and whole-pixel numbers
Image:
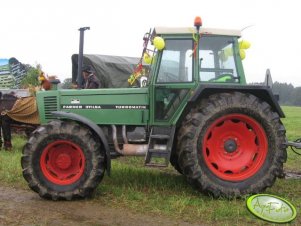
[
  {"x": 31, "y": 77},
  {"x": 10, "y": 167},
  {"x": 296, "y": 96},
  {"x": 288, "y": 94},
  {"x": 292, "y": 124}
]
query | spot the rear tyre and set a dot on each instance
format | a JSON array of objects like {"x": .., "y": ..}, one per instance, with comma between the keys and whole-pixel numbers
[
  {"x": 174, "y": 160},
  {"x": 232, "y": 144},
  {"x": 174, "y": 157},
  {"x": 62, "y": 160}
]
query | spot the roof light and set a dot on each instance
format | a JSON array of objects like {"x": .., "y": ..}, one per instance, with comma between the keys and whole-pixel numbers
[{"x": 197, "y": 22}]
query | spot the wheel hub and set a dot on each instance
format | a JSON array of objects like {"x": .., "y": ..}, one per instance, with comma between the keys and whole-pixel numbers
[
  {"x": 230, "y": 146},
  {"x": 63, "y": 161},
  {"x": 235, "y": 147}
]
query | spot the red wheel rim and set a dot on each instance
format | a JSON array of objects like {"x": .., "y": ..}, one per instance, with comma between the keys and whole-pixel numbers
[
  {"x": 62, "y": 162},
  {"x": 235, "y": 147}
]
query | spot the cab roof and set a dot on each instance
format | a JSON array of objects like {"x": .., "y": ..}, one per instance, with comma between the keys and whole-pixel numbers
[{"x": 191, "y": 30}]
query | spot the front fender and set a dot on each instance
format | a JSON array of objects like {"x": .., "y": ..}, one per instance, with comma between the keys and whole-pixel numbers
[{"x": 92, "y": 126}]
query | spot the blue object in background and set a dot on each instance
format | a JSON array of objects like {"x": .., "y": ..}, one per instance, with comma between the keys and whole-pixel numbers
[
  {"x": 4, "y": 66},
  {"x": 3, "y": 62}
]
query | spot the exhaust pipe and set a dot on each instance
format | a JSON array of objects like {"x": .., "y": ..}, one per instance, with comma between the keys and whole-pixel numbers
[
  {"x": 79, "y": 79},
  {"x": 128, "y": 149}
]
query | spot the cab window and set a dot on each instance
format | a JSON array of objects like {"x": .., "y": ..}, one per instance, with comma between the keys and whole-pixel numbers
[
  {"x": 176, "y": 62},
  {"x": 217, "y": 59}
]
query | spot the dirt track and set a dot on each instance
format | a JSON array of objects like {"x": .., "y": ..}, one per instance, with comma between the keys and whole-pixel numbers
[{"x": 23, "y": 207}]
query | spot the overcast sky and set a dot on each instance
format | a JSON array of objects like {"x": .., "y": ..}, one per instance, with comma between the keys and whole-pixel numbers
[{"x": 46, "y": 32}]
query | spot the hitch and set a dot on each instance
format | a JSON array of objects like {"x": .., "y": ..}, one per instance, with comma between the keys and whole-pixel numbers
[{"x": 295, "y": 145}]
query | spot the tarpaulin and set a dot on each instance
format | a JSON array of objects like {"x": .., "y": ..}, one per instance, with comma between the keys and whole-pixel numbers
[{"x": 112, "y": 71}]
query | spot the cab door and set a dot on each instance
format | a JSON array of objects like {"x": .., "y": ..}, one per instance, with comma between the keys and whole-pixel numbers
[{"x": 173, "y": 81}]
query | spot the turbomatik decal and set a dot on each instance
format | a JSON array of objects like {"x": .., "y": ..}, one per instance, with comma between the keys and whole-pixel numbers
[{"x": 101, "y": 106}]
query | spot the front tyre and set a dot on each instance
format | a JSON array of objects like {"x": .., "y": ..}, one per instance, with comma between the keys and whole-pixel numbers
[
  {"x": 232, "y": 145},
  {"x": 62, "y": 160}
]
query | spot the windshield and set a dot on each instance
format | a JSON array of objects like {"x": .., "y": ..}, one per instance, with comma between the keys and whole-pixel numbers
[
  {"x": 176, "y": 63},
  {"x": 217, "y": 61}
]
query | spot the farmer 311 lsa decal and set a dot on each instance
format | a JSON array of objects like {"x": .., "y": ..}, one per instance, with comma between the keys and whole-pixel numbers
[{"x": 188, "y": 104}]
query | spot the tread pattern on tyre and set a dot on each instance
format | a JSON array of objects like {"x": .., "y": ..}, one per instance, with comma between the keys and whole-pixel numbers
[
  {"x": 94, "y": 168},
  {"x": 194, "y": 127},
  {"x": 174, "y": 158}
]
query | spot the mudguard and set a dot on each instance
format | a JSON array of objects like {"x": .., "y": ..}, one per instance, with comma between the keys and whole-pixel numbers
[
  {"x": 262, "y": 92},
  {"x": 91, "y": 125}
]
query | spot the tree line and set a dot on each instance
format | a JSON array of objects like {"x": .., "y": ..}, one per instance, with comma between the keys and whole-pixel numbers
[{"x": 288, "y": 94}]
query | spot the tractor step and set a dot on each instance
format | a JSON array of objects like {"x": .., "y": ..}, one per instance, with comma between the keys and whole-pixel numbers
[
  {"x": 156, "y": 165},
  {"x": 159, "y": 146},
  {"x": 158, "y": 153},
  {"x": 160, "y": 136}
]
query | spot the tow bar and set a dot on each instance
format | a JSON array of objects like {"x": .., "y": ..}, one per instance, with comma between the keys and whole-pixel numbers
[{"x": 295, "y": 145}]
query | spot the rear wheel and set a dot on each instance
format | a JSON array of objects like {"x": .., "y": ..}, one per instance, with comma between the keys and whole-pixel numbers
[
  {"x": 174, "y": 160},
  {"x": 232, "y": 145},
  {"x": 62, "y": 160}
]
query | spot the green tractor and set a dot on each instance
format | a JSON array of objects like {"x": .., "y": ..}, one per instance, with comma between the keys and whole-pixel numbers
[{"x": 195, "y": 111}]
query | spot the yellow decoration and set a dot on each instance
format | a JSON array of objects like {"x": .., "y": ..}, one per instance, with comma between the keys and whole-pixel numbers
[
  {"x": 223, "y": 56},
  {"x": 242, "y": 54},
  {"x": 244, "y": 44},
  {"x": 147, "y": 58},
  {"x": 228, "y": 52},
  {"x": 41, "y": 76},
  {"x": 159, "y": 43},
  {"x": 139, "y": 71},
  {"x": 132, "y": 79}
]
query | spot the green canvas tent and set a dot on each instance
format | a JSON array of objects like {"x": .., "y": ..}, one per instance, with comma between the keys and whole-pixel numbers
[{"x": 112, "y": 71}]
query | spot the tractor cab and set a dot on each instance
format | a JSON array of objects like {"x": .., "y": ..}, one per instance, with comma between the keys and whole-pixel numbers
[
  {"x": 191, "y": 58},
  {"x": 210, "y": 56}
]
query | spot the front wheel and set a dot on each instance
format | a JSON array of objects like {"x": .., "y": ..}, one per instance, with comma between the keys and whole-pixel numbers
[
  {"x": 232, "y": 145},
  {"x": 62, "y": 160}
]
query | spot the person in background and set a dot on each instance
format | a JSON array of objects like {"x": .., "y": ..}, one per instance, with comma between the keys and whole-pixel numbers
[
  {"x": 91, "y": 81},
  {"x": 7, "y": 102}
]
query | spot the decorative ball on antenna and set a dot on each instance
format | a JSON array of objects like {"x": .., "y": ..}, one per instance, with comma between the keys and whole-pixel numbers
[
  {"x": 242, "y": 54},
  {"x": 244, "y": 44},
  {"x": 147, "y": 58},
  {"x": 159, "y": 43}
]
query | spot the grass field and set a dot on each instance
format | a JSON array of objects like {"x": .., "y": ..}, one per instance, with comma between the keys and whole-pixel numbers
[
  {"x": 292, "y": 124},
  {"x": 165, "y": 192}
]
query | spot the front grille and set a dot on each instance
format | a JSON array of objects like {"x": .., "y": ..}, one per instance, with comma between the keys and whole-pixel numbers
[{"x": 50, "y": 104}]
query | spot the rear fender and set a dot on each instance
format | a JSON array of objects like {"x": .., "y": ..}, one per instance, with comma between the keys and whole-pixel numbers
[
  {"x": 262, "y": 92},
  {"x": 94, "y": 127}
]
